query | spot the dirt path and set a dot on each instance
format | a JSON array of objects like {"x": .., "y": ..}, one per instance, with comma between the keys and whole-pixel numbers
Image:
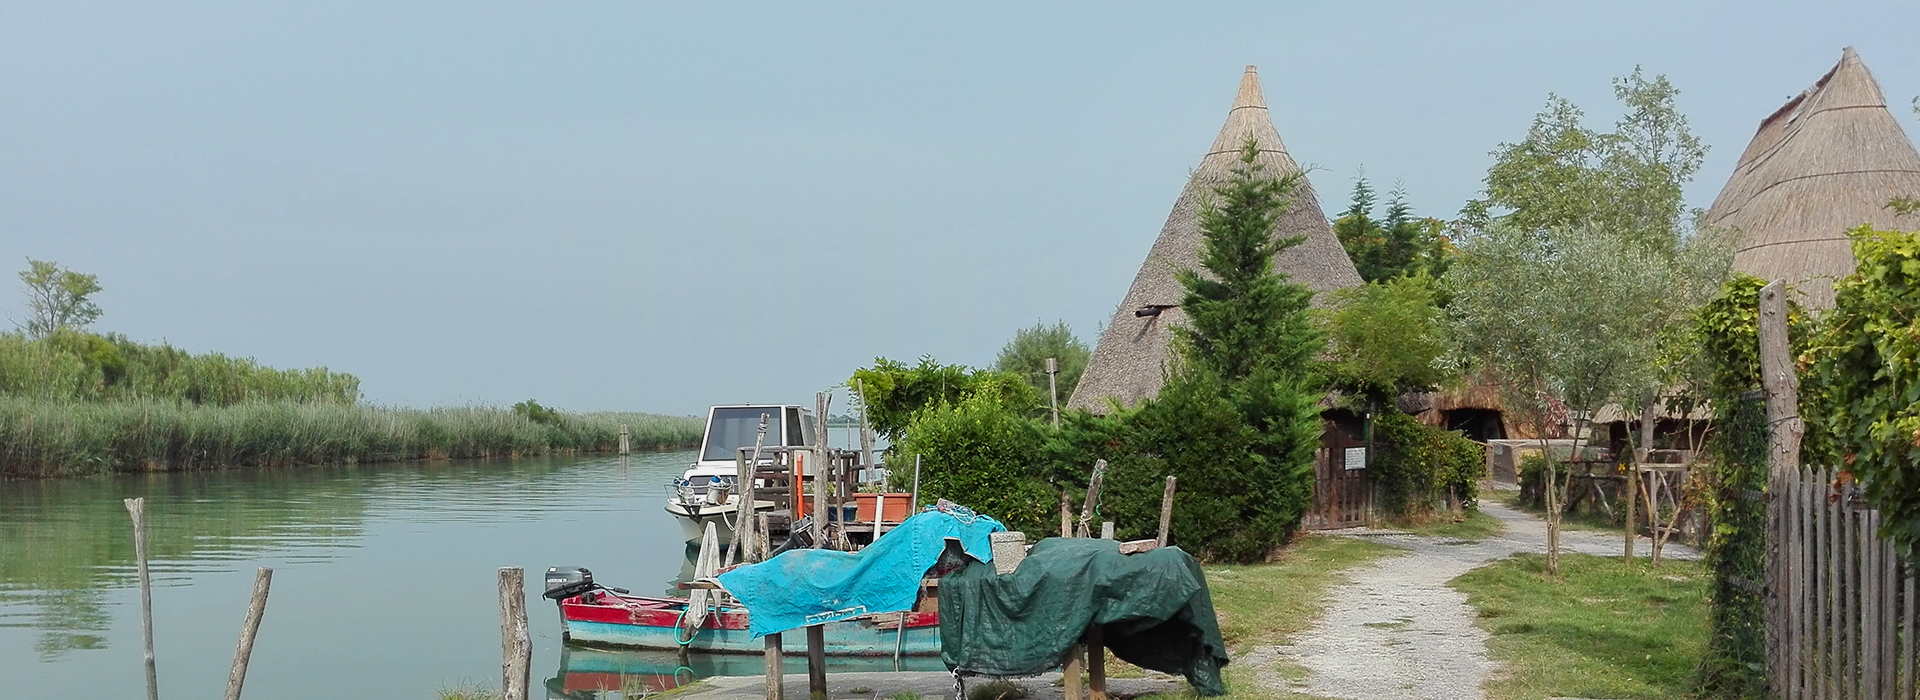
[{"x": 1399, "y": 632}]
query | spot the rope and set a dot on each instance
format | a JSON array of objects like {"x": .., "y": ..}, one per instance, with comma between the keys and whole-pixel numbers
[{"x": 677, "y": 624}]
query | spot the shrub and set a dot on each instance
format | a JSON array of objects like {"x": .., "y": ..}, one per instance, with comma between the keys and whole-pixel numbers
[
  {"x": 1416, "y": 465},
  {"x": 980, "y": 454}
]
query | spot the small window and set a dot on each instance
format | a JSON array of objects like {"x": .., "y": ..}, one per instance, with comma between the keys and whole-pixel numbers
[
  {"x": 795, "y": 438},
  {"x": 806, "y": 428}
]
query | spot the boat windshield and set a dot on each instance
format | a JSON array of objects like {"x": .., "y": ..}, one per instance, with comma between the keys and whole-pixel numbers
[{"x": 732, "y": 428}]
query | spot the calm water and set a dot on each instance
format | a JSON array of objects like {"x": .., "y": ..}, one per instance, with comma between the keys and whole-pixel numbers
[{"x": 383, "y": 576}]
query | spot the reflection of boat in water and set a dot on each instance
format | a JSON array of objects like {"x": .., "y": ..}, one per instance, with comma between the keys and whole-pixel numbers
[
  {"x": 584, "y": 673},
  {"x": 705, "y": 493}
]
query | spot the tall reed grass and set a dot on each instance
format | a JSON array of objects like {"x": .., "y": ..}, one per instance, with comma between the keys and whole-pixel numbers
[
  {"x": 74, "y": 365},
  {"x": 51, "y": 437}
]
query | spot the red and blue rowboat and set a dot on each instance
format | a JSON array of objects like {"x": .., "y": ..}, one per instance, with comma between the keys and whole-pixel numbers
[{"x": 607, "y": 619}]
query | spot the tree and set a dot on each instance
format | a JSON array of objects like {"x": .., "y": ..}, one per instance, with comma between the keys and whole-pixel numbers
[
  {"x": 1026, "y": 356},
  {"x": 893, "y": 392},
  {"x": 58, "y": 298},
  {"x": 1388, "y": 338},
  {"x": 1239, "y": 418},
  {"x": 1571, "y": 216},
  {"x": 1396, "y": 245}
]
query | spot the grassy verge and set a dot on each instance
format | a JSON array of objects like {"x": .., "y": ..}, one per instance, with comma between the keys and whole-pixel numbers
[
  {"x": 1475, "y": 525},
  {"x": 1602, "y": 629},
  {"x": 1580, "y": 520},
  {"x": 60, "y": 438},
  {"x": 1269, "y": 604}
]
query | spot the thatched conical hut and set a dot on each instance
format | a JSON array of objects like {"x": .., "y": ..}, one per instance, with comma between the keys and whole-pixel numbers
[
  {"x": 1827, "y": 161},
  {"x": 1130, "y": 362}
]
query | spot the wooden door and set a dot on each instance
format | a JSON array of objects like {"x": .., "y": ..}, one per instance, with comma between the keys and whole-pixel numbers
[{"x": 1339, "y": 480}]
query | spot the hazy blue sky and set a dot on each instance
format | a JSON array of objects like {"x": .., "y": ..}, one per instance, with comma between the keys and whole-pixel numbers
[{"x": 658, "y": 207}]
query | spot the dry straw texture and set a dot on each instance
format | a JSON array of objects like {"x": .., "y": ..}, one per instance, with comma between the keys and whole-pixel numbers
[
  {"x": 1130, "y": 362},
  {"x": 1827, "y": 161}
]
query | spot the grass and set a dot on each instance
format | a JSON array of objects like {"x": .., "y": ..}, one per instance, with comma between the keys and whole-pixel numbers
[
  {"x": 997, "y": 690},
  {"x": 40, "y": 437},
  {"x": 1474, "y": 526},
  {"x": 1579, "y": 520},
  {"x": 1602, "y": 629}
]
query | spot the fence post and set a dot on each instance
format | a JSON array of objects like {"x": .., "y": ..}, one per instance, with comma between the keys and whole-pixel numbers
[
  {"x": 137, "y": 507},
  {"x": 515, "y": 648},
  {"x": 1166, "y": 508},
  {"x": 257, "y": 608},
  {"x": 1784, "y": 430}
]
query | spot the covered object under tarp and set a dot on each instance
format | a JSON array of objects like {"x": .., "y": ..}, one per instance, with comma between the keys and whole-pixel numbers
[{"x": 1153, "y": 610}]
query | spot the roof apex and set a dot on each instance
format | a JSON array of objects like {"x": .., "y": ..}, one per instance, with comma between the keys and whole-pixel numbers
[{"x": 1250, "y": 95}]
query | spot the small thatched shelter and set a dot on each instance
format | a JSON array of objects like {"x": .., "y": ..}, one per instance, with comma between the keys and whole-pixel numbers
[
  {"x": 1827, "y": 161},
  {"x": 1130, "y": 363}
]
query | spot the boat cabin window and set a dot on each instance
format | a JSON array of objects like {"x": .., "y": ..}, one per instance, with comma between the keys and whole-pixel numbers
[
  {"x": 799, "y": 427},
  {"x": 731, "y": 428}
]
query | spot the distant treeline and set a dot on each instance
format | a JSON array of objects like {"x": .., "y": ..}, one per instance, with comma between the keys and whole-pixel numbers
[{"x": 77, "y": 403}]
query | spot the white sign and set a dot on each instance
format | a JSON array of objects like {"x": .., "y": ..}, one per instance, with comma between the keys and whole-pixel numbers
[{"x": 1356, "y": 458}]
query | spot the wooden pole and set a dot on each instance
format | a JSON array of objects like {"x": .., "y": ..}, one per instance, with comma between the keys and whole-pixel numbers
[
  {"x": 137, "y": 507},
  {"x": 1093, "y": 498},
  {"x": 1070, "y": 672},
  {"x": 262, "y": 580},
  {"x": 1632, "y": 494},
  {"x": 775, "y": 681},
  {"x": 516, "y": 649},
  {"x": 626, "y": 443},
  {"x": 1781, "y": 383},
  {"x": 1066, "y": 515},
  {"x": 816, "y": 662},
  {"x": 1166, "y": 508},
  {"x": 822, "y": 468},
  {"x": 1096, "y": 664},
  {"x": 1053, "y": 390},
  {"x": 866, "y": 431}
]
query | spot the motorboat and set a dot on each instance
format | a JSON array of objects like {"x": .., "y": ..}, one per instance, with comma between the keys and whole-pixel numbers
[{"x": 707, "y": 492}]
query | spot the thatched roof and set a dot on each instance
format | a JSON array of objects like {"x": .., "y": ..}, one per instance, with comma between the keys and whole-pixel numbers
[
  {"x": 1129, "y": 364},
  {"x": 1826, "y": 162}
]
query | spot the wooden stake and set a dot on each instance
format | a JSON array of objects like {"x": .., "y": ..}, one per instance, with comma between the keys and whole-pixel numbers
[
  {"x": 1053, "y": 390},
  {"x": 515, "y": 648},
  {"x": 626, "y": 444},
  {"x": 1070, "y": 672},
  {"x": 817, "y": 662},
  {"x": 137, "y": 507},
  {"x": 822, "y": 468},
  {"x": 1632, "y": 494},
  {"x": 776, "y": 687},
  {"x": 1066, "y": 515},
  {"x": 1166, "y": 508},
  {"x": 1096, "y": 664},
  {"x": 1093, "y": 498},
  {"x": 257, "y": 608}
]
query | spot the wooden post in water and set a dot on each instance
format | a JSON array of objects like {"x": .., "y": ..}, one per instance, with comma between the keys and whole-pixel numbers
[
  {"x": 515, "y": 648},
  {"x": 626, "y": 442},
  {"x": 1166, "y": 508},
  {"x": 257, "y": 608},
  {"x": 137, "y": 507},
  {"x": 775, "y": 681}
]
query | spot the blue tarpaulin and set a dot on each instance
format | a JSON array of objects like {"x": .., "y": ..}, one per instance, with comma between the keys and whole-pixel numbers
[{"x": 813, "y": 586}]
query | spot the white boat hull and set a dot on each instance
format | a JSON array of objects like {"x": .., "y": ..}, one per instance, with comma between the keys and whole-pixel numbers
[{"x": 693, "y": 526}]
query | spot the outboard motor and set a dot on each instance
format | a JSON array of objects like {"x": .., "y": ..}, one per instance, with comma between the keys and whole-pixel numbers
[{"x": 567, "y": 582}]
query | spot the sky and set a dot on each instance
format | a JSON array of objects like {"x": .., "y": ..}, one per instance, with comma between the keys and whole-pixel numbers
[{"x": 658, "y": 207}]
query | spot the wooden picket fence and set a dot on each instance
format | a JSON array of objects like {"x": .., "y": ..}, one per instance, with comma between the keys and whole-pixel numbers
[{"x": 1841, "y": 603}]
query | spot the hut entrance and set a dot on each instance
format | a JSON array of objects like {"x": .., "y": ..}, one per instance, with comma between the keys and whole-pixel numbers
[
  {"x": 1339, "y": 479},
  {"x": 1478, "y": 424}
]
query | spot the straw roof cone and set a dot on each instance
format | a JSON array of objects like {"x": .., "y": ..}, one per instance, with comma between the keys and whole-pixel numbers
[
  {"x": 1827, "y": 161},
  {"x": 1130, "y": 362}
]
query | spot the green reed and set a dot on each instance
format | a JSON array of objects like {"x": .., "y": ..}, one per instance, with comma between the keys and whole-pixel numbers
[{"x": 52, "y": 437}]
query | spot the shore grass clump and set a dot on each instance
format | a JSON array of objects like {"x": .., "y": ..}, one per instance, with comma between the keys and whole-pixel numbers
[{"x": 43, "y": 437}]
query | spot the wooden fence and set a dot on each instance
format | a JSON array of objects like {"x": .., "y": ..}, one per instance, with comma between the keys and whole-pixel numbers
[{"x": 1841, "y": 603}]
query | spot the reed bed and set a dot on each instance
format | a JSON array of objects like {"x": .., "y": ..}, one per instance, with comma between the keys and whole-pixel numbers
[{"x": 51, "y": 437}]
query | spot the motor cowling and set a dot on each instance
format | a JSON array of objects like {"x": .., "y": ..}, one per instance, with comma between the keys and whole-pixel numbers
[{"x": 568, "y": 581}]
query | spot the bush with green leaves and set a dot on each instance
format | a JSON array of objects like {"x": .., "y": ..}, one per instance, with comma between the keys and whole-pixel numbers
[
  {"x": 1026, "y": 356},
  {"x": 1416, "y": 466},
  {"x": 980, "y": 453},
  {"x": 895, "y": 392}
]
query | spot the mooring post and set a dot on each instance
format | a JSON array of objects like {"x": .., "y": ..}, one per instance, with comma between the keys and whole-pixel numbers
[
  {"x": 775, "y": 685},
  {"x": 816, "y": 662},
  {"x": 256, "y": 608},
  {"x": 625, "y": 439},
  {"x": 1166, "y": 508},
  {"x": 137, "y": 507},
  {"x": 516, "y": 649}
]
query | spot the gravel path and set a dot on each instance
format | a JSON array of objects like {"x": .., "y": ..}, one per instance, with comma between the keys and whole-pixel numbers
[{"x": 1398, "y": 632}]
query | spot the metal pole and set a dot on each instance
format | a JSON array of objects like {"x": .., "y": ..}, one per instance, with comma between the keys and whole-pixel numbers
[{"x": 137, "y": 507}]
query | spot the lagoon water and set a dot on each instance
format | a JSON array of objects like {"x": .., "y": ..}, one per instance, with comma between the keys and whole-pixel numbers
[{"x": 383, "y": 585}]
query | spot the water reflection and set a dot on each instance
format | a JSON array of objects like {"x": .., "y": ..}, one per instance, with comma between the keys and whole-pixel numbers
[{"x": 596, "y": 674}]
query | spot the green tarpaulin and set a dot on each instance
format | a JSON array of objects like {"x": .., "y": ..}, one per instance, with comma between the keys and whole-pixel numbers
[{"x": 1153, "y": 610}]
